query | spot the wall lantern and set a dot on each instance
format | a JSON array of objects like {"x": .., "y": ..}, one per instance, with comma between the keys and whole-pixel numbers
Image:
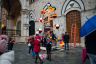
[
  {"x": 57, "y": 26},
  {"x": 40, "y": 30}
]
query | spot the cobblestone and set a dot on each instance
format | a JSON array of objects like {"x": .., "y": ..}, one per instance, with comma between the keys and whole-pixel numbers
[{"x": 73, "y": 56}]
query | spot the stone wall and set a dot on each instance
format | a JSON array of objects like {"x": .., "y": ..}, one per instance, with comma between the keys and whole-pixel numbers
[{"x": 86, "y": 7}]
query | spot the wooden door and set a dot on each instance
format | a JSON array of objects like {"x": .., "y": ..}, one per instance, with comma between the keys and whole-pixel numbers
[{"x": 73, "y": 21}]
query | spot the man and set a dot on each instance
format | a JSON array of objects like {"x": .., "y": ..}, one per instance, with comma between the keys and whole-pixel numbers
[
  {"x": 66, "y": 40},
  {"x": 48, "y": 48},
  {"x": 90, "y": 43}
]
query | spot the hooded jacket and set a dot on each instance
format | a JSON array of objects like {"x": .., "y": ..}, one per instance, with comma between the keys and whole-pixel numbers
[
  {"x": 7, "y": 58},
  {"x": 90, "y": 43}
]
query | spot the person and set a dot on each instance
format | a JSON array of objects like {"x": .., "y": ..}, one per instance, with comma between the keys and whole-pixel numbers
[
  {"x": 63, "y": 36},
  {"x": 90, "y": 44},
  {"x": 53, "y": 36},
  {"x": 10, "y": 43},
  {"x": 31, "y": 43},
  {"x": 48, "y": 48},
  {"x": 37, "y": 41},
  {"x": 66, "y": 40},
  {"x": 6, "y": 57},
  {"x": 42, "y": 41},
  {"x": 45, "y": 40}
]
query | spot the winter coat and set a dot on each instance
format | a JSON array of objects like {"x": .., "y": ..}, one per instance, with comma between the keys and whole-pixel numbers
[
  {"x": 37, "y": 44},
  {"x": 49, "y": 45},
  {"x": 90, "y": 43},
  {"x": 66, "y": 38},
  {"x": 3, "y": 45},
  {"x": 53, "y": 36},
  {"x": 7, "y": 58}
]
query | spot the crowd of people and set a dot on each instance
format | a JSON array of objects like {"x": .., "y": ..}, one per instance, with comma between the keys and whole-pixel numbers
[
  {"x": 34, "y": 43},
  {"x": 47, "y": 41}
]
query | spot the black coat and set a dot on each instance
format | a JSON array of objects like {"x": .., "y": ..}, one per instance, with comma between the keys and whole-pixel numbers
[
  {"x": 66, "y": 38},
  {"x": 90, "y": 43}
]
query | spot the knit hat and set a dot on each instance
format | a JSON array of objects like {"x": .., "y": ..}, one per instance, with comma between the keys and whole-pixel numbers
[{"x": 3, "y": 45}]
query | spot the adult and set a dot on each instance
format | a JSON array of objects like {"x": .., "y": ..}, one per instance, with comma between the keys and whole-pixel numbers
[
  {"x": 90, "y": 43},
  {"x": 48, "y": 48},
  {"x": 5, "y": 57},
  {"x": 10, "y": 43},
  {"x": 31, "y": 44},
  {"x": 66, "y": 40},
  {"x": 53, "y": 35},
  {"x": 37, "y": 41}
]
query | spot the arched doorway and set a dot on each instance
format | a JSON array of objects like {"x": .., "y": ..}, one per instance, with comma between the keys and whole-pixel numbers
[
  {"x": 73, "y": 24},
  {"x": 31, "y": 28}
]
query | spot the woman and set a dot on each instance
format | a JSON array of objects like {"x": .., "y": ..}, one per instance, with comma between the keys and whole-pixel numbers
[
  {"x": 5, "y": 57},
  {"x": 37, "y": 48}
]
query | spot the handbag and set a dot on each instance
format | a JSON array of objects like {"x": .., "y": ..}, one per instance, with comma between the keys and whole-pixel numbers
[
  {"x": 43, "y": 56},
  {"x": 29, "y": 44},
  {"x": 43, "y": 48}
]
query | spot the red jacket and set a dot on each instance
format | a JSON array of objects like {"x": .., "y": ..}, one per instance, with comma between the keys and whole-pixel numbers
[{"x": 37, "y": 44}]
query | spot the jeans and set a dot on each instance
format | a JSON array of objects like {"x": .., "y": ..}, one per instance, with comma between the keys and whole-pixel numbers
[
  {"x": 92, "y": 58},
  {"x": 66, "y": 46},
  {"x": 30, "y": 49}
]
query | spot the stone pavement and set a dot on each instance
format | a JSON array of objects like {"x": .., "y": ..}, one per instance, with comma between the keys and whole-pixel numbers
[{"x": 58, "y": 56}]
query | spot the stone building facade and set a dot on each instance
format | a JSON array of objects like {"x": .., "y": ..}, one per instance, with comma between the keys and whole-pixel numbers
[{"x": 70, "y": 13}]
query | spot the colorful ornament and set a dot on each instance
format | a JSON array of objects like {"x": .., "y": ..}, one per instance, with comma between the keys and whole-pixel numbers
[
  {"x": 41, "y": 20},
  {"x": 54, "y": 15},
  {"x": 43, "y": 11}
]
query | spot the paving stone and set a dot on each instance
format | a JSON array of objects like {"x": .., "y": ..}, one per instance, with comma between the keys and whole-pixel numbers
[{"x": 73, "y": 56}]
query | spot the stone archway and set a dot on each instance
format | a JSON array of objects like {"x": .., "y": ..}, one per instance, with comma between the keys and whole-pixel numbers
[
  {"x": 73, "y": 21},
  {"x": 31, "y": 28}
]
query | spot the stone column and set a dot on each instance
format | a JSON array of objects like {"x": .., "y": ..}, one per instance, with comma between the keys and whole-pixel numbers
[{"x": 24, "y": 25}]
